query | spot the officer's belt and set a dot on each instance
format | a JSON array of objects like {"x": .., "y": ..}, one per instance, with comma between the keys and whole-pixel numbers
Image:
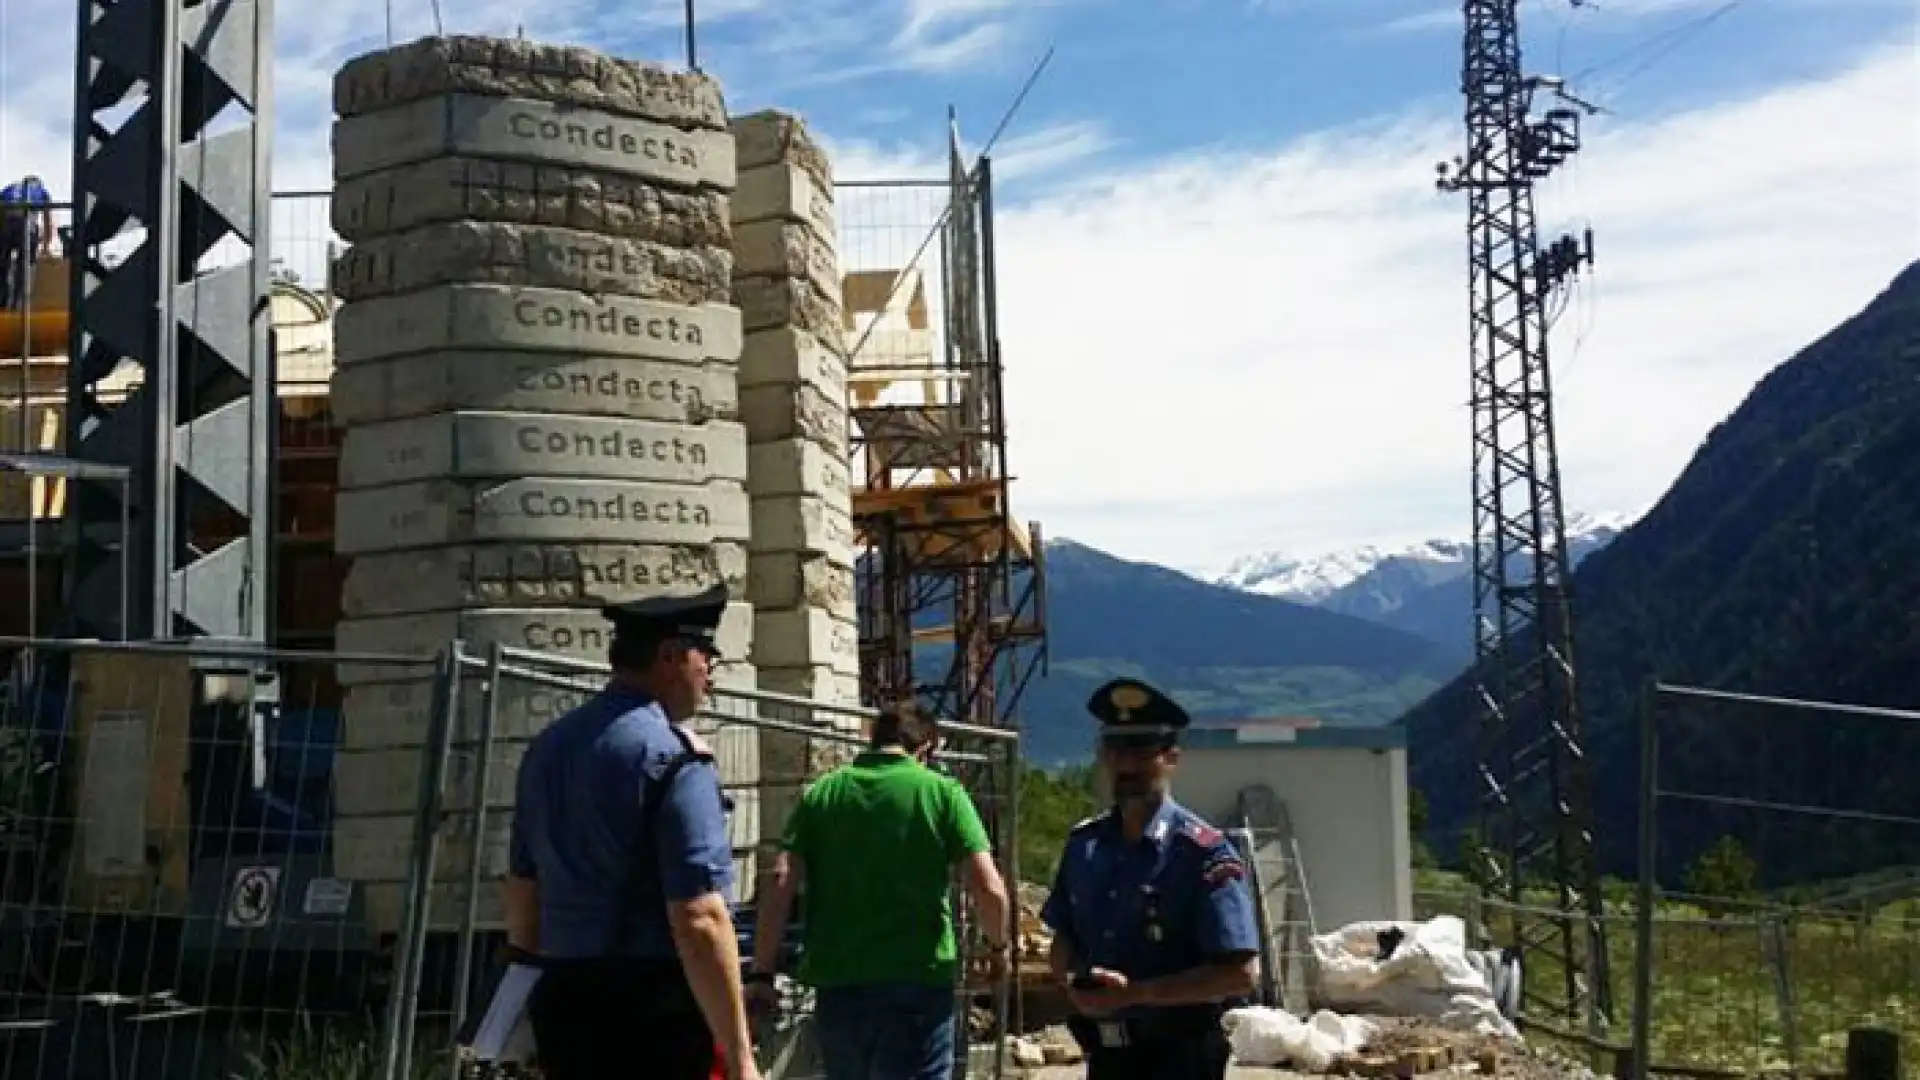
[{"x": 1162, "y": 1025}]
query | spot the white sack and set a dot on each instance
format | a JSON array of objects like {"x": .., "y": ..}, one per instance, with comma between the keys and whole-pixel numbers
[
  {"x": 1263, "y": 1036},
  {"x": 1429, "y": 975}
]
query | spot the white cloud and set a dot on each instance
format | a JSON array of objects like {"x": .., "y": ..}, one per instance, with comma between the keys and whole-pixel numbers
[{"x": 1223, "y": 352}]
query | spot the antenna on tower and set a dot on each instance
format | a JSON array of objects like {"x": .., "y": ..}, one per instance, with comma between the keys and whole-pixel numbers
[{"x": 1537, "y": 799}]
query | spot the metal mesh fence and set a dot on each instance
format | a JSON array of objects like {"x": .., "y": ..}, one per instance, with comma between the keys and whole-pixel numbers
[
  {"x": 1777, "y": 903},
  {"x": 169, "y": 905},
  {"x": 206, "y": 873}
]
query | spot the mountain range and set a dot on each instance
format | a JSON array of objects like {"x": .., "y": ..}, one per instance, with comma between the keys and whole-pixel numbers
[
  {"x": 1425, "y": 589},
  {"x": 1784, "y": 562},
  {"x": 1356, "y": 637},
  {"x": 1221, "y": 652}
]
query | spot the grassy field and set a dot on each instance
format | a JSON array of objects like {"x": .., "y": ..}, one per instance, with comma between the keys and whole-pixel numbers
[{"x": 1755, "y": 988}]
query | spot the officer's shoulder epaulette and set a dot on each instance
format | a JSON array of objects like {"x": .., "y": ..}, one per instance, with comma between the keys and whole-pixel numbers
[
  {"x": 1088, "y": 823},
  {"x": 1201, "y": 833}
]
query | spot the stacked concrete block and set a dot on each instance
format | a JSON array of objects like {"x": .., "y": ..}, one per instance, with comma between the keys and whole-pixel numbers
[
  {"x": 538, "y": 376},
  {"x": 793, "y": 403}
]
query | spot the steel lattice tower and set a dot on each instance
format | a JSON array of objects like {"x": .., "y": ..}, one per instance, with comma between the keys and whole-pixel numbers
[
  {"x": 197, "y": 431},
  {"x": 1537, "y": 805}
]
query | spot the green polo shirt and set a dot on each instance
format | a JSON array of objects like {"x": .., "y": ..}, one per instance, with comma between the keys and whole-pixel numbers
[{"x": 879, "y": 838}]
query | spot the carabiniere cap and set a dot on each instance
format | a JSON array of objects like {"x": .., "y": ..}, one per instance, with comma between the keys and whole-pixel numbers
[
  {"x": 693, "y": 619},
  {"x": 1131, "y": 713}
]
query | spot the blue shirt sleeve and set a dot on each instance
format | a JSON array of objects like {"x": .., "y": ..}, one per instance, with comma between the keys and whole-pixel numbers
[
  {"x": 1226, "y": 906},
  {"x": 696, "y": 857},
  {"x": 1057, "y": 912},
  {"x": 526, "y": 810}
]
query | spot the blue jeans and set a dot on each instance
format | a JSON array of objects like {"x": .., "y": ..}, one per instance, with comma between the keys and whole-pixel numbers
[{"x": 885, "y": 1031}]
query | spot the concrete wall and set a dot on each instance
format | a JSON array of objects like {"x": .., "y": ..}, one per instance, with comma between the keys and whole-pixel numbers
[{"x": 1347, "y": 792}]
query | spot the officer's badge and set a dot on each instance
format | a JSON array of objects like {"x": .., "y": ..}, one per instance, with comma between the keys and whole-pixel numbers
[{"x": 1126, "y": 698}]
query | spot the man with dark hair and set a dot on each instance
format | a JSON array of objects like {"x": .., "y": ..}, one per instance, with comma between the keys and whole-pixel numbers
[
  {"x": 621, "y": 866},
  {"x": 1153, "y": 925},
  {"x": 871, "y": 850}
]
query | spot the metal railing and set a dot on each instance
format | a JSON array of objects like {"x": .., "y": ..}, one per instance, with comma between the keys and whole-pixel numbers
[
  {"x": 255, "y": 862},
  {"x": 1776, "y": 912}
]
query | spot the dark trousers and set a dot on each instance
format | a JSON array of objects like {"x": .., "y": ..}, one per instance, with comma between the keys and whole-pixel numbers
[
  {"x": 1156, "y": 1052},
  {"x": 19, "y": 242},
  {"x": 619, "y": 1020}
]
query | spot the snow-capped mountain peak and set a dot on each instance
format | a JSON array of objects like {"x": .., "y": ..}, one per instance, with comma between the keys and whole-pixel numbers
[{"x": 1316, "y": 579}]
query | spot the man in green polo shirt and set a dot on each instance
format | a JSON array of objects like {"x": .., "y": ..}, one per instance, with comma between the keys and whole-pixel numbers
[{"x": 871, "y": 849}]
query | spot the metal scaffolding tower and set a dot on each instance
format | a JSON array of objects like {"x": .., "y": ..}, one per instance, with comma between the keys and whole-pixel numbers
[
  {"x": 1537, "y": 803},
  {"x": 951, "y": 586},
  {"x": 155, "y": 194}
]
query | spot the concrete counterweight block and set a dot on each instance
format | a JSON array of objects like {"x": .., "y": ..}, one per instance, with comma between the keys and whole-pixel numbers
[{"x": 537, "y": 371}]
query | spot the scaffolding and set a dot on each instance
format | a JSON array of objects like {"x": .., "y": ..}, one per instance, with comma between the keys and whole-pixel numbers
[{"x": 952, "y": 587}]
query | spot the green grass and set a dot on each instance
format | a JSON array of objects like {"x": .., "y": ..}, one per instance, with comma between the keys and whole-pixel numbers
[{"x": 1716, "y": 997}]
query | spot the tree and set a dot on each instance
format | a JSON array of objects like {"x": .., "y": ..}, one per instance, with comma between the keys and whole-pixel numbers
[
  {"x": 1723, "y": 872},
  {"x": 1421, "y": 855}
]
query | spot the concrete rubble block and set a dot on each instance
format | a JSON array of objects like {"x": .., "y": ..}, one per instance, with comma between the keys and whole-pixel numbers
[
  {"x": 786, "y": 357},
  {"x": 502, "y": 444},
  {"x": 519, "y": 129},
  {"x": 771, "y": 137},
  {"x": 526, "y": 575},
  {"x": 388, "y": 715},
  {"x": 786, "y": 249},
  {"x": 797, "y": 637},
  {"x": 479, "y": 379},
  {"x": 783, "y": 413},
  {"x": 438, "y": 512},
  {"x": 807, "y": 524},
  {"x": 797, "y": 467},
  {"x": 457, "y": 188},
  {"x": 545, "y": 256},
  {"x": 495, "y": 317},
  {"x": 517, "y": 68},
  {"x": 791, "y": 579},
  {"x": 786, "y": 193},
  {"x": 569, "y": 633},
  {"x": 387, "y": 781},
  {"x": 780, "y": 303}
]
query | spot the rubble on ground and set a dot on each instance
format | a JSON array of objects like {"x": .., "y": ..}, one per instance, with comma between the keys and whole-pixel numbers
[
  {"x": 1034, "y": 937},
  {"x": 1412, "y": 1047}
]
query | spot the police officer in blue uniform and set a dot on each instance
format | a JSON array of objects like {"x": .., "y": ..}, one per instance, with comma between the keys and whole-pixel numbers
[
  {"x": 1153, "y": 924},
  {"x": 621, "y": 867}
]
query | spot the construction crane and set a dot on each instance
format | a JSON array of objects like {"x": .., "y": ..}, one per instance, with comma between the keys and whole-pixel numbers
[{"x": 1537, "y": 800}]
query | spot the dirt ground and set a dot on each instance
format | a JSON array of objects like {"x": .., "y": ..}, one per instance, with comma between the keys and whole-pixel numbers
[{"x": 1235, "y": 1072}]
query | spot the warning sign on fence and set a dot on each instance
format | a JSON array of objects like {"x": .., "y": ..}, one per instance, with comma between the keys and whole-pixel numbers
[{"x": 250, "y": 902}]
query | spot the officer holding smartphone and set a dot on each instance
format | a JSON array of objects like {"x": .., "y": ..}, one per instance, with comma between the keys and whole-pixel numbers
[{"x": 1153, "y": 924}]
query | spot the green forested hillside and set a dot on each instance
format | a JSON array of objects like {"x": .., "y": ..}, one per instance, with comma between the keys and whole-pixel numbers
[{"x": 1785, "y": 560}]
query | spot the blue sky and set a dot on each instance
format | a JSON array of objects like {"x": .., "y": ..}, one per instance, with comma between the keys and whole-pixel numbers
[{"x": 1233, "y": 306}]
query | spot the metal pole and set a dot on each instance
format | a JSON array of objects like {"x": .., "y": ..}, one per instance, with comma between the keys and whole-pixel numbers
[
  {"x": 1648, "y": 891},
  {"x": 476, "y": 831},
  {"x": 693, "y": 56},
  {"x": 404, "y": 990}
]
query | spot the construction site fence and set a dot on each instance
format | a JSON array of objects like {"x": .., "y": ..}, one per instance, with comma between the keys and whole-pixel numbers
[
  {"x": 203, "y": 872},
  {"x": 1773, "y": 908}
]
